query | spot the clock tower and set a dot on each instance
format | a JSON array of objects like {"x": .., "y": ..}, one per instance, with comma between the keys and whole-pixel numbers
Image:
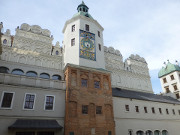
[{"x": 83, "y": 40}]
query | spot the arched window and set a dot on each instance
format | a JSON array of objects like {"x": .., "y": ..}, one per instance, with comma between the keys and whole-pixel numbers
[
  {"x": 44, "y": 75},
  {"x": 149, "y": 132},
  {"x": 56, "y": 77},
  {"x": 84, "y": 9},
  {"x": 4, "y": 41},
  {"x": 31, "y": 74},
  {"x": 57, "y": 52},
  {"x": 157, "y": 132},
  {"x": 139, "y": 133},
  {"x": 17, "y": 72},
  {"x": 4, "y": 70},
  {"x": 164, "y": 132}
]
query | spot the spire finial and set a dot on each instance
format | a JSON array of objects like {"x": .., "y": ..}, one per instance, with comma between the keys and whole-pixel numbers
[{"x": 83, "y": 2}]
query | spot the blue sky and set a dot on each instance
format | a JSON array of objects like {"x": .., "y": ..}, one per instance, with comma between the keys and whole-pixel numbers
[{"x": 150, "y": 28}]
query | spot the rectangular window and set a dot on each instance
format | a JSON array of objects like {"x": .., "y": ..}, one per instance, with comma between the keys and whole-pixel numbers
[
  {"x": 130, "y": 132},
  {"x": 145, "y": 109},
  {"x": 7, "y": 100},
  {"x": 84, "y": 109},
  {"x": 87, "y": 27},
  {"x": 25, "y": 133},
  {"x": 137, "y": 108},
  {"x": 127, "y": 108},
  {"x": 167, "y": 90},
  {"x": 167, "y": 112},
  {"x": 73, "y": 28},
  {"x": 98, "y": 109},
  {"x": 73, "y": 42},
  {"x": 71, "y": 133},
  {"x": 29, "y": 101},
  {"x": 173, "y": 111},
  {"x": 175, "y": 87},
  {"x": 179, "y": 112},
  {"x": 109, "y": 133},
  {"x": 84, "y": 82},
  {"x": 164, "y": 80},
  {"x": 153, "y": 110},
  {"x": 99, "y": 47},
  {"x": 160, "y": 111},
  {"x": 97, "y": 84},
  {"x": 177, "y": 95},
  {"x": 99, "y": 34},
  {"x": 172, "y": 77},
  {"x": 49, "y": 105}
]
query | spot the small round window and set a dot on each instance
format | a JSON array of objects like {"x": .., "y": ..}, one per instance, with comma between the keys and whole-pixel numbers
[
  {"x": 4, "y": 41},
  {"x": 57, "y": 52}
]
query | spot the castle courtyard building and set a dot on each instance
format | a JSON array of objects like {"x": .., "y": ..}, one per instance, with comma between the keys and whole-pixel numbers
[{"x": 81, "y": 87}]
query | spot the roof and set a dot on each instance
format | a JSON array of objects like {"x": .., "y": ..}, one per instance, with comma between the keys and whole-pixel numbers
[
  {"x": 168, "y": 69},
  {"x": 83, "y": 14},
  {"x": 35, "y": 124},
  {"x": 116, "y": 92}
]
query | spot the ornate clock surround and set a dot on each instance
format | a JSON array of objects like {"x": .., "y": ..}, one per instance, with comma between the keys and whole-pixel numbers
[{"x": 87, "y": 47}]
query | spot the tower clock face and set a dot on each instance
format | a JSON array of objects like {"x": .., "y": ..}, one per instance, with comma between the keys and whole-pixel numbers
[{"x": 87, "y": 45}]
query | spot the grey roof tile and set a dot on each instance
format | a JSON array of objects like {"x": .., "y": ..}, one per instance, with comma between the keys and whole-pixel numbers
[{"x": 116, "y": 92}]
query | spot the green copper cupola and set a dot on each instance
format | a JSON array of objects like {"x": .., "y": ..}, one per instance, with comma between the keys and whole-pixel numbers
[{"x": 82, "y": 8}]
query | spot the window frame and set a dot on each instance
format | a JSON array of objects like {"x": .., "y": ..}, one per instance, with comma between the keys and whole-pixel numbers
[
  {"x": 87, "y": 28},
  {"x": 99, "y": 35},
  {"x": 153, "y": 110},
  {"x": 145, "y": 109},
  {"x": 87, "y": 109},
  {"x": 99, "y": 46},
  {"x": 167, "y": 111},
  {"x": 160, "y": 110},
  {"x": 12, "y": 101},
  {"x": 95, "y": 86},
  {"x": 172, "y": 77},
  {"x": 73, "y": 42},
  {"x": 173, "y": 111},
  {"x": 45, "y": 102},
  {"x": 25, "y": 101},
  {"x": 137, "y": 108},
  {"x": 127, "y": 109},
  {"x": 73, "y": 28},
  {"x": 84, "y": 86},
  {"x": 100, "y": 107},
  {"x": 164, "y": 80}
]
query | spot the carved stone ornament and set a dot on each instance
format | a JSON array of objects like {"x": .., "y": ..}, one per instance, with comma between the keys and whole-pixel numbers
[
  {"x": 46, "y": 32},
  {"x": 111, "y": 50},
  {"x": 105, "y": 49},
  {"x": 36, "y": 29},
  {"x": 25, "y": 27}
]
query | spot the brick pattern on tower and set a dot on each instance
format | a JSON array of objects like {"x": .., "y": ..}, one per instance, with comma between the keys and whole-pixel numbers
[{"x": 89, "y": 108}]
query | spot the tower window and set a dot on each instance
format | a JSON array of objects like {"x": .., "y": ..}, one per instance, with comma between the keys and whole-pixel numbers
[
  {"x": 177, "y": 95},
  {"x": 73, "y": 28},
  {"x": 145, "y": 109},
  {"x": 99, "y": 34},
  {"x": 73, "y": 42},
  {"x": 96, "y": 84},
  {"x": 4, "y": 41},
  {"x": 84, "y": 109},
  {"x": 98, "y": 109},
  {"x": 99, "y": 47},
  {"x": 87, "y": 27},
  {"x": 164, "y": 80},
  {"x": 172, "y": 77},
  {"x": 57, "y": 52},
  {"x": 84, "y": 9},
  {"x": 127, "y": 108},
  {"x": 175, "y": 87},
  {"x": 167, "y": 90},
  {"x": 137, "y": 108},
  {"x": 84, "y": 82}
]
